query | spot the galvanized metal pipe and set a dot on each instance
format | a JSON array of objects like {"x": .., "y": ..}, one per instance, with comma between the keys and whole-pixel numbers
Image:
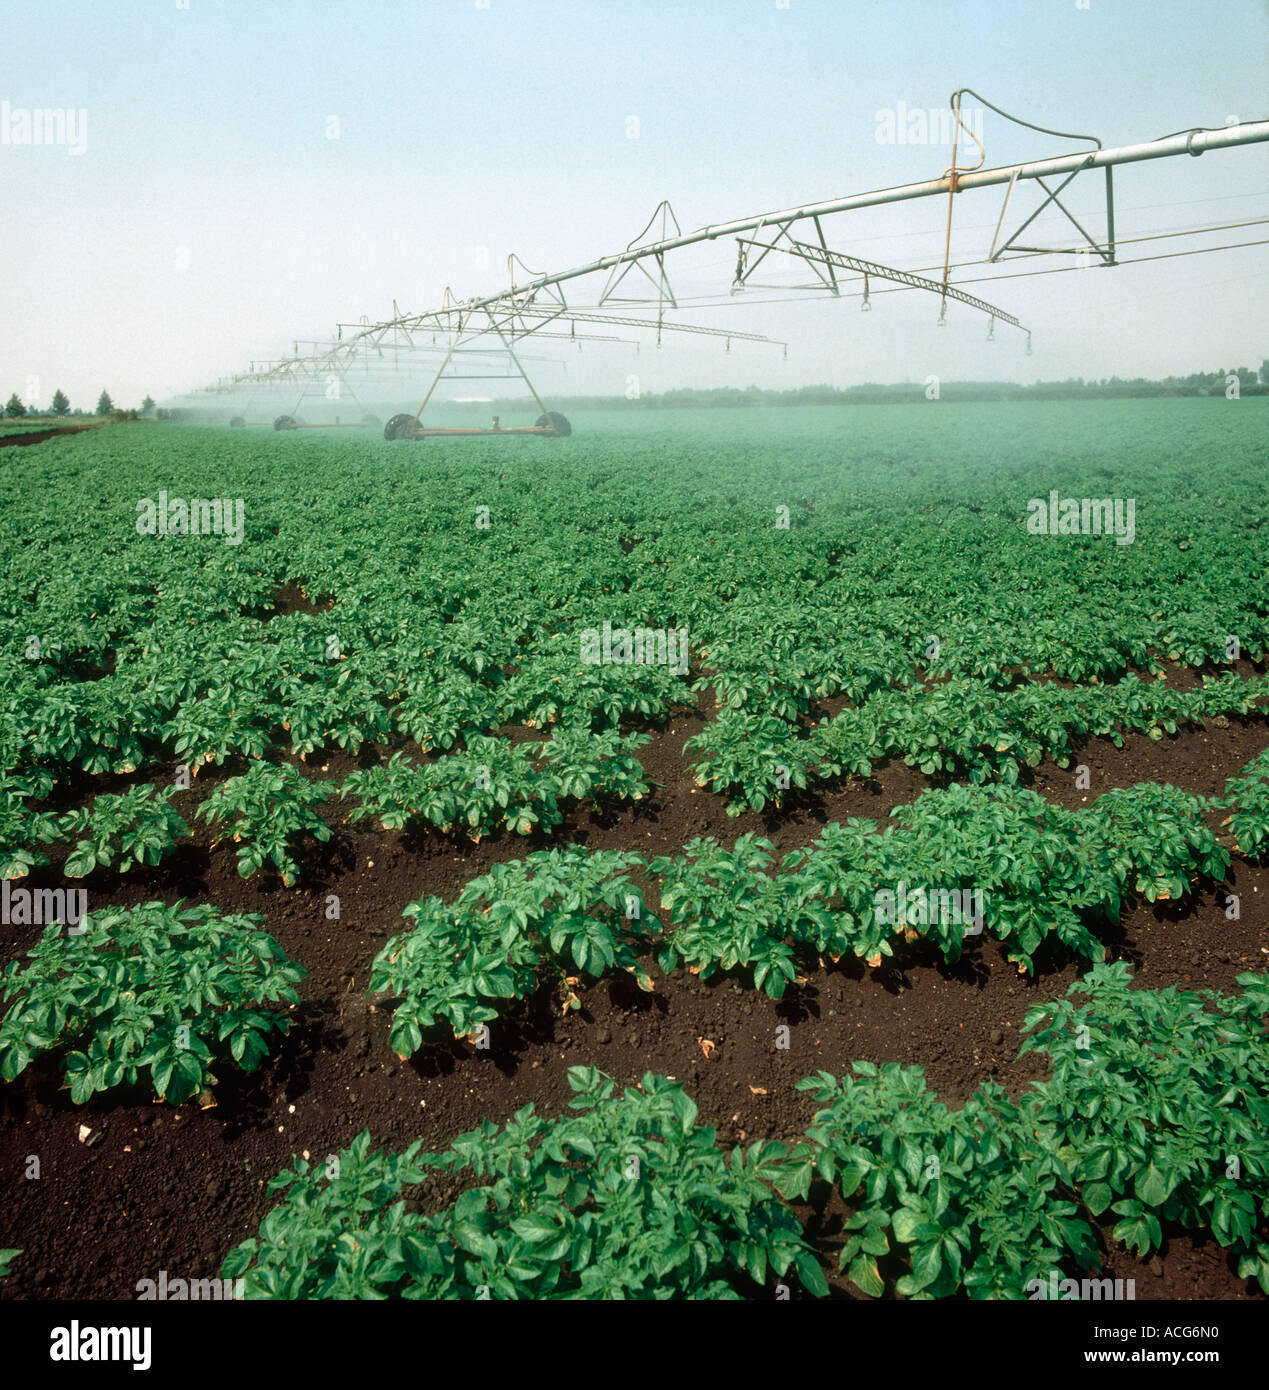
[{"x": 1195, "y": 143}]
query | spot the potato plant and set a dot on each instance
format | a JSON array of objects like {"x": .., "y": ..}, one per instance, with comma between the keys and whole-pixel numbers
[
  {"x": 1159, "y": 1103},
  {"x": 970, "y": 1201},
  {"x": 491, "y": 785},
  {"x": 495, "y": 785},
  {"x": 21, "y": 828},
  {"x": 725, "y": 911},
  {"x": 438, "y": 711},
  {"x": 151, "y": 989},
  {"x": 137, "y": 827},
  {"x": 625, "y": 1198},
  {"x": 265, "y": 811},
  {"x": 760, "y": 754},
  {"x": 89, "y": 725},
  {"x": 1156, "y": 841},
  {"x": 220, "y": 724},
  {"x": 817, "y": 650},
  {"x": 598, "y": 766},
  {"x": 519, "y": 926},
  {"x": 553, "y": 686},
  {"x": 341, "y": 711},
  {"x": 1247, "y": 798}
]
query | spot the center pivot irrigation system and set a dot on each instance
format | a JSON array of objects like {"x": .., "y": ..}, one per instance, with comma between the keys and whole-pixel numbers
[{"x": 468, "y": 334}]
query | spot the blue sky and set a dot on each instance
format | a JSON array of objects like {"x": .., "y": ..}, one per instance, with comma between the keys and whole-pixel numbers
[{"x": 212, "y": 218}]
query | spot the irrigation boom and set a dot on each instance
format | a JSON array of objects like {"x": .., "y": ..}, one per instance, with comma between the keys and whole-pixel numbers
[
  {"x": 1194, "y": 143},
  {"x": 539, "y": 304}
]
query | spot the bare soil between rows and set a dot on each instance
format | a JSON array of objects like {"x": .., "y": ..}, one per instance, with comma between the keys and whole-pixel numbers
[
  {"x": 39, "y": 436},
  {"x": 164, "y": 1188}
]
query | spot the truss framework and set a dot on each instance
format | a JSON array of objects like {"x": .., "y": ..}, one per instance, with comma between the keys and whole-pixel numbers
[
  {"x": 541, "y": 303},
  {"x": 953, "y": 182},
  {"x": 1104, "y": 249},
  {"x": 839, "y": 260}
]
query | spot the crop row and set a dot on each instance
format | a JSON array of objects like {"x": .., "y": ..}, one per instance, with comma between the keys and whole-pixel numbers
[
  {"x": 966, "y": 728},
  {"x": 955, "y": 863},
  {"x": 490, "y": 785},
  {"x": 997, "y": 860},
  {"x": 487, "y": 787},
  {"x": 131, "y": 989},
  {"x": 754, "y": 748},
  {"x": 1154, "y": 1113},
  {"x": 250, "y": 705}
]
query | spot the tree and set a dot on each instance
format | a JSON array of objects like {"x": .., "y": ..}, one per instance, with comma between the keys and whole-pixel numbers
[
  {"x": 1264, "y": 372},
  {"x": 14, "y": 409},
  {"x": 61, "y": 406},
  {"x": 147, "y": 405},
  {"x": 104, "y": 404}
]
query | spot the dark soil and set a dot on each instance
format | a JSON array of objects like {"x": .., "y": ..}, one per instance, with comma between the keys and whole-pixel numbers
[
  {"x": 174, "y": 1189},
  {"x": 39, "y": 436},
  {"x": 290, "y": 598}
]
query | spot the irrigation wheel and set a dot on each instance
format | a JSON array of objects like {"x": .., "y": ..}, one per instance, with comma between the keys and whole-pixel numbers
[
  {"x": 558, "y": 424},
  {"x": 284, "y": 422},
  {"x": 371, "y": 422},
  {"x": 400, "y": 427},
  {"x": 237, "y": 423}
]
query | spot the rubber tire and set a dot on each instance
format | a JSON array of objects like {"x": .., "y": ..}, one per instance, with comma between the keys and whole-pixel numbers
[
  {"x": 284, "y": 422},
  {"x": 237, "y": 423},
  {"x": 399, "y": 427},
  {"x": 558, "y": 424}
]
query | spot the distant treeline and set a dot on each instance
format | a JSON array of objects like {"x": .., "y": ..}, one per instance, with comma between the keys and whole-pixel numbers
[{"x": 1250, "y": 383}]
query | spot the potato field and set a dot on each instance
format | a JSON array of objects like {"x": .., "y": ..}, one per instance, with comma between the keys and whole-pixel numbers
[{"x": 724, "y": 854}]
